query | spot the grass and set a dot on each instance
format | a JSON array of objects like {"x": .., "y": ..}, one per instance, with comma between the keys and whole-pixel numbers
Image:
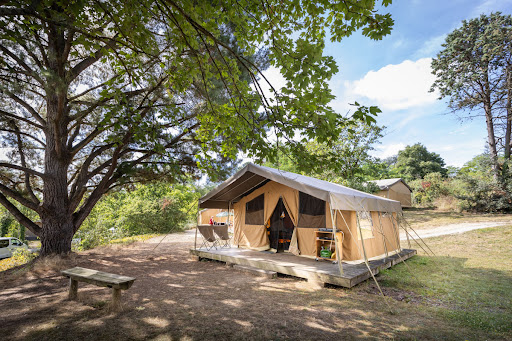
[
  {"x": 424, "y": 217},
  {"x": 19, "y": 258},
  {"x": 462, "y": 293},
  {"x": 469, "y": 281},
  {"x": 132, "y": 239}
]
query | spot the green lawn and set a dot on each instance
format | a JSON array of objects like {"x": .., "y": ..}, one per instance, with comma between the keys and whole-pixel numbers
[{"x": 469, "y": 281}]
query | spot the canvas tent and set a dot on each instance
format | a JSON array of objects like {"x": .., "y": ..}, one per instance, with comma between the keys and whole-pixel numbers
[
  {"x": 256, "y": 193},
  {"x": 219, "y": 215},
  {"x": 395, "y": 189}
]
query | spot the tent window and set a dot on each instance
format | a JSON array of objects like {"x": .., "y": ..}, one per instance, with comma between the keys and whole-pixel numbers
[
  {"x": 311, "y": 211},
  {"x": 365, "y": 221},
  {"x": 254, "y": 211}
]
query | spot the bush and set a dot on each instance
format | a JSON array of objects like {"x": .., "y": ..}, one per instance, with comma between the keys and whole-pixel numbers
[
  {"x": 19, "y": 257},
  {"x": 426, "y": 191},
  {"x": 152, "y": 208},
  {"x": 478, "y": 190},
  {"x": 485, "y": 195}
]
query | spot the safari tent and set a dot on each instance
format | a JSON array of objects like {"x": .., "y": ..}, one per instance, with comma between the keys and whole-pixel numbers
[
  {"x": 395, "y": 189},
  {"x": 219, "y": 215},
  {"x": 286, "y": 212}
]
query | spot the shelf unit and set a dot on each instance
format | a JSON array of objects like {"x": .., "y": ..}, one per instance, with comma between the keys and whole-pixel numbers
[{"x": 325, "y": 239}]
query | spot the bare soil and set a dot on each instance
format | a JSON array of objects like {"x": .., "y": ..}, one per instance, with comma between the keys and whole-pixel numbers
[{"x": 177, "y": 298}]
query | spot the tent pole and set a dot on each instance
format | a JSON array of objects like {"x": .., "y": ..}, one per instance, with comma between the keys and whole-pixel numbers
[
  {"x": 417, "y": 235},
  {"x": 365, "y": 259},
  {"x": 406, "y": 233},
  {"x": 195, "y": 237},
  {"x": 336, "y": 246}
]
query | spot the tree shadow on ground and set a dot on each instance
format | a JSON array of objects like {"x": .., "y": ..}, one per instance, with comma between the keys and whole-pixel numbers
[{"x": 176, "y": 298}]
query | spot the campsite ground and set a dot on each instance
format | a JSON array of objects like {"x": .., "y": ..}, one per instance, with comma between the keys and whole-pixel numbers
[{"x": 463, "y": 292}]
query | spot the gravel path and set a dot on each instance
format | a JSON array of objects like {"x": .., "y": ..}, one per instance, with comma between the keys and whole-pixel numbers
[
  {"x": 189, "y": 235},
  {"x": 452, "y": 229}
]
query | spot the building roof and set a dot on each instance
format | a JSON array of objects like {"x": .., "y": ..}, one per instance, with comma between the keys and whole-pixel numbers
[
  {"x": 385, "y": 184},
  {"x": 253, "y": 176}
]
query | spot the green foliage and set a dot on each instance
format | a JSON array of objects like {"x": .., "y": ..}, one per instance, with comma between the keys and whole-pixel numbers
[
  {"x": 5, "y": 223},
  {"x": 345, "y": 161},
  {"x": 415, "y": 162},
  {"x": 19, "y": 257},
  {"x": 137, "y": 90},
  {"x": 431, "y": 187},
  {"x": 475, "y": 71},
  {"x": 152, "y": 208}
]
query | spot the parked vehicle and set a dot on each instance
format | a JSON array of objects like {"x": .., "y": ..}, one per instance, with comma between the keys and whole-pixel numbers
[{"x": 8, "y": 245}]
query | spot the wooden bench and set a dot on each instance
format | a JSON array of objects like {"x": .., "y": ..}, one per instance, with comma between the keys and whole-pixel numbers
[{"x": 99, "y": 278}]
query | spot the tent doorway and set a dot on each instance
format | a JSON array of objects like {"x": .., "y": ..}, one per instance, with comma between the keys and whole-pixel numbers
[{"x": 280, "y": 228}]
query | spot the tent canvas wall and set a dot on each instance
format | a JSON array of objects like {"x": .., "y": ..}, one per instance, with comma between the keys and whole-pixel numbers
[
  {"x": 219, "y": 215},
  {"x": 255, "y": 191},
  {"x": 395, "y": 189}
]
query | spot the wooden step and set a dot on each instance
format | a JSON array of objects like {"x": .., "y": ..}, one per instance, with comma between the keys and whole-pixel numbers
[{"x": 255, "y": 271}]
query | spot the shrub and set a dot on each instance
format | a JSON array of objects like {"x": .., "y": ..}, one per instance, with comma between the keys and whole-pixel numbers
[
  {"x": 427, "y": 190},
  {"x": 151, "y": 208},
  {"x": 19, "y": 257}
]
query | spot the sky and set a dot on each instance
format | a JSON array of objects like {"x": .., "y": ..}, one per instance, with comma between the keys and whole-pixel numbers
[{"x": 394, "y": 74}]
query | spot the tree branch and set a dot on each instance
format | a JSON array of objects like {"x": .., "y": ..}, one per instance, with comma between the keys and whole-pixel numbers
[{"x": 20, "y": 217}]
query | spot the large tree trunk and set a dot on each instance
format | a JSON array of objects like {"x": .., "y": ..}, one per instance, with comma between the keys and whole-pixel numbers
[
  {"x": 491, "y": 139},
  {"x": 56, "y": 236},
  {"x": 508, "y": 126}
]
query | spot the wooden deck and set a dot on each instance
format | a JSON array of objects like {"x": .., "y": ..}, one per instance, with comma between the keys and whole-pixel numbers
[{"x": 320, "y": 272}]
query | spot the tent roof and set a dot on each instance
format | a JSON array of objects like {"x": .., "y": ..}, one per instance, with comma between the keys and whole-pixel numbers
[
  {"x": 252, "y": 176},
  {"x": 385, "y": 184}
]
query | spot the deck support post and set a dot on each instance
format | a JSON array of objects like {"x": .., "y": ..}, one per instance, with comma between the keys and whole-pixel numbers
[{"x": 73, "y": 289}]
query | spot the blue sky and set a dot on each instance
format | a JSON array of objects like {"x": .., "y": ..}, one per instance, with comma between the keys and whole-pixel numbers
[{"x": 394, "y": 73}]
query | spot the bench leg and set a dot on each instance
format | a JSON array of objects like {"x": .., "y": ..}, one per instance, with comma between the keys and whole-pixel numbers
[
  {"x": 73, "y": 289},
  {"x": 116, "y": 298}
]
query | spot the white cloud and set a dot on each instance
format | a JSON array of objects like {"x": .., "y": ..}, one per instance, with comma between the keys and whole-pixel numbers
[
  {"x": 488, "y": 6},
  {"x": 430, "y": 47},
  {"x": 388, "y": 150},
  {"x": 396, "y": 87}
]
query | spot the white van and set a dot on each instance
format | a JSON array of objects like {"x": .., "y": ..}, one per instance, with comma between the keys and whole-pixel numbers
[{"x": 8, "y": 245}]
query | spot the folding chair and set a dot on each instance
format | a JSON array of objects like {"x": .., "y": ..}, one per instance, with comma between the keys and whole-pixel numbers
[
  {"x": 222, "y": 232},
  {"x": 209, "y": 240}
]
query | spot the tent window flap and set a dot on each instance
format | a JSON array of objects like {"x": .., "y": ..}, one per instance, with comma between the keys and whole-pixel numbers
[
  {"x": 311, "y": 211},
  {"x": 254, "y": 211}
]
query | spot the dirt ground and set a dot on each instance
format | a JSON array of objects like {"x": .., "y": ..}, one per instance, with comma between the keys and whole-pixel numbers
[{"x": 177, "y": 298}]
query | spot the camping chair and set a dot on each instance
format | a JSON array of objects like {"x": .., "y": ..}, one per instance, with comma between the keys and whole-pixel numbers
[
  {"x": 222, "y": 232},
  {"x": 209, "y": 240}
]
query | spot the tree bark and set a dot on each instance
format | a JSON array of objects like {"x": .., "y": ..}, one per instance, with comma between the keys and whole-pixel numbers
[
  {"x": 491, "y": 139},
  {"x": 508, "y": 126}
]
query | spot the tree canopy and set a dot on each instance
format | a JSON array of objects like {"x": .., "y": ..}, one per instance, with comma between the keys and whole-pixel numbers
[
  {"x": 474, "y": 70},
  {"x": 97, "y": 94},
  {"x": 414, "y": 162},
  {"x": 346, "y": 161}
]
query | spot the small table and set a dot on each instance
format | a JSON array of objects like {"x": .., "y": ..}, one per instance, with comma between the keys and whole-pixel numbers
[{"x": 99, "y": 278}]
